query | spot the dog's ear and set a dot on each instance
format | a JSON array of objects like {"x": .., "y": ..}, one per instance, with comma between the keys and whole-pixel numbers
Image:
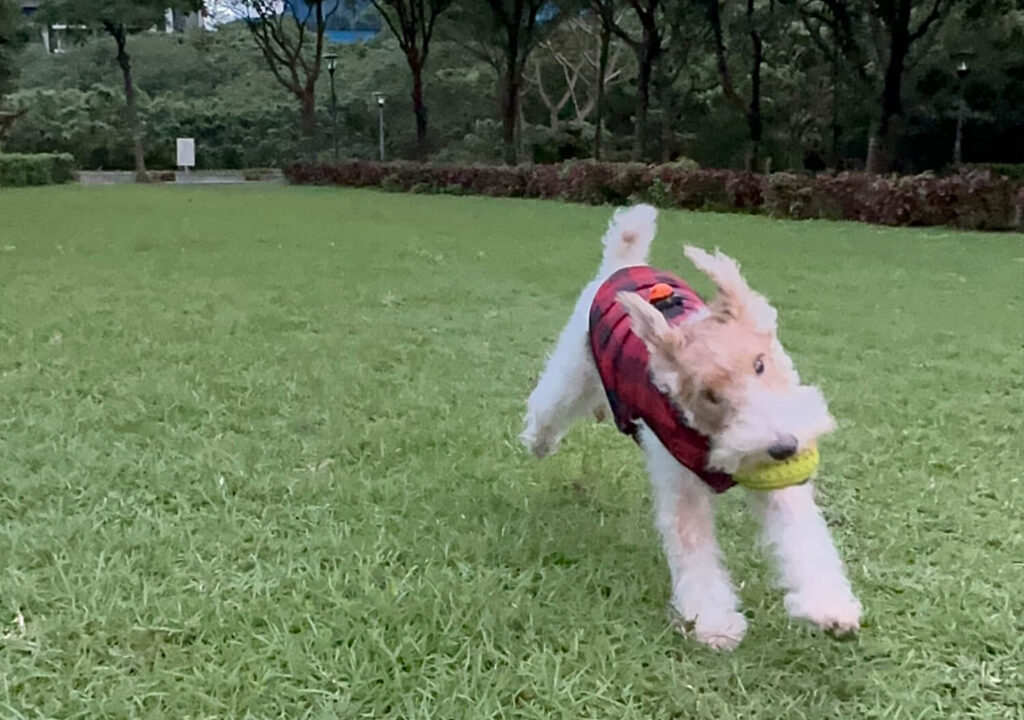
[
  {"x": 722, "y": 270},
  {"x": 648, "y": 323},
  {"x": 735, "y": 299}
]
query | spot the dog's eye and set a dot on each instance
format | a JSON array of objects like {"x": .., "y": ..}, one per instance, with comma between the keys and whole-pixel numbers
[
  {"x": 759, "y": 364},
  {"x": 711, "y": 396}
]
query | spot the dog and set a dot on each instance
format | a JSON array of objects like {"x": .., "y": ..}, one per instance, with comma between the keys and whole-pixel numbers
[{"x": 736, "y": 402}]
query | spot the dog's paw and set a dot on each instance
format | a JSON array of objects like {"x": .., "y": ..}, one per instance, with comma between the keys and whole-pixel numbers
[
  {"x": 539, "y": 444},
  {"x": 717, "y": 629},
  {"x": 720, "y": 632},
  {"x": 836, "y": 611}
]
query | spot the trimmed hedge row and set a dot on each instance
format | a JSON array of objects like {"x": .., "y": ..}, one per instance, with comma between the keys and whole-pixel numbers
[
  {"x": 40, "y": 169},
  {"x": 976, "y": 200},
  {"x": 1014, "y": 171},
  {"x": 591, "y": 183}
]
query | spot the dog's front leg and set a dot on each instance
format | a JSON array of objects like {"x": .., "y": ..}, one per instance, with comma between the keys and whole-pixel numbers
[
  {"x": 810, "y": 570},
  {"x": 702, "y": 592}
]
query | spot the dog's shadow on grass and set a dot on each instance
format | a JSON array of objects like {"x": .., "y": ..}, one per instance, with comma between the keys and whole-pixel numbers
[
  {"x": 578, "y": 529},
  {"x": 579, "y": 532}
]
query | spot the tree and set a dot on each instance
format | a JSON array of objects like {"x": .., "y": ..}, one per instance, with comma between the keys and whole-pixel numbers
[
  {"x": 283, "y": 30},
  {"x": 756, "y": 21},
  {"x": 575, "y": 60},
  {"x": 876, "y": 37},
  {"x": 118, "y": 19},
  {"x": 11, "y": 39},
  {"x": 648, "y": 44},
  {"x": 607, "y": 12},
  {"x": 680, "y": 74},
  {"x": 504, "y": 33},
  {"x": 412, "y": 23}
]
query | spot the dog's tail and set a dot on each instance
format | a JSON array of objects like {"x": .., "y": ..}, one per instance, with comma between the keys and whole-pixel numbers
[{"x": 629, "y": 237}]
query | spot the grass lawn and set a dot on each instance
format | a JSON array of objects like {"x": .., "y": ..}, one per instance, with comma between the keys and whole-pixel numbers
[{"x": 258, "y": 459}]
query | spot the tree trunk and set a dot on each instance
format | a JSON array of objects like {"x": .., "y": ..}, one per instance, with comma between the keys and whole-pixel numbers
[
  {"x": 667, "y": 134},
  {"x": 6, "y": 120},
  {"x": 120, "y": 37},
  {"x": 602, "y": 73},
  {"x": 885, "y": 135},
  {"x": 643, "y": 87},
  {"x": 510, "y": 111},
  {"x": 520, "y": 124},
  {"x": 754, "y": 119},
  {"x": 872, "y": 164},
  {"x": 308, "y": 101},
  {"x": 647, "y": 54},
  {"x": 884, "y": 143},
  {"x": 836, "y": 160},
  {"x": 419, "y": 108}
]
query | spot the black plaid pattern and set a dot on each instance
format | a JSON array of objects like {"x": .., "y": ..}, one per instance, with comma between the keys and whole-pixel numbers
[{"x": 622, "y": 362}]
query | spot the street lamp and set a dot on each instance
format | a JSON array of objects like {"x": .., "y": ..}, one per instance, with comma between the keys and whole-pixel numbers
[
  {"x": 332, "y": 61},
  {"x": 961, "y": 72},
  {"x": 380, "y": 111}
]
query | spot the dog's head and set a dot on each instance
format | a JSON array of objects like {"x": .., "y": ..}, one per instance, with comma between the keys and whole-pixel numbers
[{"x": 727, "y": 372}]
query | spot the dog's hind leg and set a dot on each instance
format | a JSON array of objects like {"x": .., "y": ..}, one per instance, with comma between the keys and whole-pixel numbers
[
  {"x": 570, "y": 387},
  {"x": 702, "y": 593}
]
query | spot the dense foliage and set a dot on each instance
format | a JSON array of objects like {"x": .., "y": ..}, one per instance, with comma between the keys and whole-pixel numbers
[
  {"x": 43, "y": 169},
  {"x": 117, "y": 20},
  {"x": 11, "y": 38},
  {"x": 807, "y": 106},
  {"x": 977, "y": 200}
]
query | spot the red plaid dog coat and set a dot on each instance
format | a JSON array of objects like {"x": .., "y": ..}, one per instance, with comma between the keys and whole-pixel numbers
[{"x": 622, "y": 358}]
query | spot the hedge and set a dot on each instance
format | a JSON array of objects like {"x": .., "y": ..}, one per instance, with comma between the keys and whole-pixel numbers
[
  {"x": 40, "y": 169},
  {"x": 976, "y": 200},
  {"x": 973, "y": 200},
  {"x": 89, "y": 124},
  {"x": 1014, "y": 171},
  {"x": 584, "y": 182}
]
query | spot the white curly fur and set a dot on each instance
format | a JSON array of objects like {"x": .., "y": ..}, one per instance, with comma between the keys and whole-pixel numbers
[{"x": 792, "y": 526}]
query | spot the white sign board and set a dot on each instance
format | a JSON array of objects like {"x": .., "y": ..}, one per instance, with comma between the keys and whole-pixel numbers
[{"x": 186, "y": 152}]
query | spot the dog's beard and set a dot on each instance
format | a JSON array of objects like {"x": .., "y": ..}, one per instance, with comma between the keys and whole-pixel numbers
[{"x": 765, "y": 416}]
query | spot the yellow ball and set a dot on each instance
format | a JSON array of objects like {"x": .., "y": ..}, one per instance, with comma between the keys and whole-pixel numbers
[{"x": 774, "y": 475}]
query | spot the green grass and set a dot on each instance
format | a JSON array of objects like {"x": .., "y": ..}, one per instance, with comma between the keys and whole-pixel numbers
[{"x": 258, "y": 459}]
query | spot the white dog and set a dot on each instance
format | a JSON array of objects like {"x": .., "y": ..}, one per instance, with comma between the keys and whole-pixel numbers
[{"x": 736, "y": 401}]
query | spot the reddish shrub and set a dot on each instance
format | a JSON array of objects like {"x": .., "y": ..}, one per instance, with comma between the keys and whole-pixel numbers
[
  {"x": 980, "y": 201},
  {"x": 675, "y": 186},
  {"x": 745, "y": 190},
  {"x": 542, "y": 181},
  {"x": 790, "y": 196},
  {"x": 973, "y": 200},
  {"x": 354, "y": 174},
  {"x": 1018, "y": 209}
]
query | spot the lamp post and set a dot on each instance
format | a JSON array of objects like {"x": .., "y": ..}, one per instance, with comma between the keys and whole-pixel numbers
[
  {"x": 380, "y": 112},
  {"x": 332, "y": 60},
  {"x": 961, "y": 72}
]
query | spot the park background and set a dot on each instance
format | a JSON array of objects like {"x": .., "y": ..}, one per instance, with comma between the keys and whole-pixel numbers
[
  {"x": 258, "y": 441},
  {"x": 804, "y": 85}
]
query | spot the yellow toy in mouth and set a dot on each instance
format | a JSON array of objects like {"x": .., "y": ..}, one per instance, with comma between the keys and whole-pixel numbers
[{"x": 779, "y": 474}]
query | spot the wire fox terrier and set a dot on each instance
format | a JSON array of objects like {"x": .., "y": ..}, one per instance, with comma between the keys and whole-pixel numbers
[{"x": 708, "y": 392}]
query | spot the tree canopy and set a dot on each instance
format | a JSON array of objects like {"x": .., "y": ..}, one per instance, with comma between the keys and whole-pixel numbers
[
  {"x": 118, "y": 19},
  {"x": 12, "y": 37},
  {"x": 804, "y": 84}
]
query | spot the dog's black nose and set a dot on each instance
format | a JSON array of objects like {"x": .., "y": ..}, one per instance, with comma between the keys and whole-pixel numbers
[{"x": 784, "y": 447}]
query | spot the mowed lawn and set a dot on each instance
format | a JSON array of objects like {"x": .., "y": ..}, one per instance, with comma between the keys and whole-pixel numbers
[{"x": 258, "y": 458}]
